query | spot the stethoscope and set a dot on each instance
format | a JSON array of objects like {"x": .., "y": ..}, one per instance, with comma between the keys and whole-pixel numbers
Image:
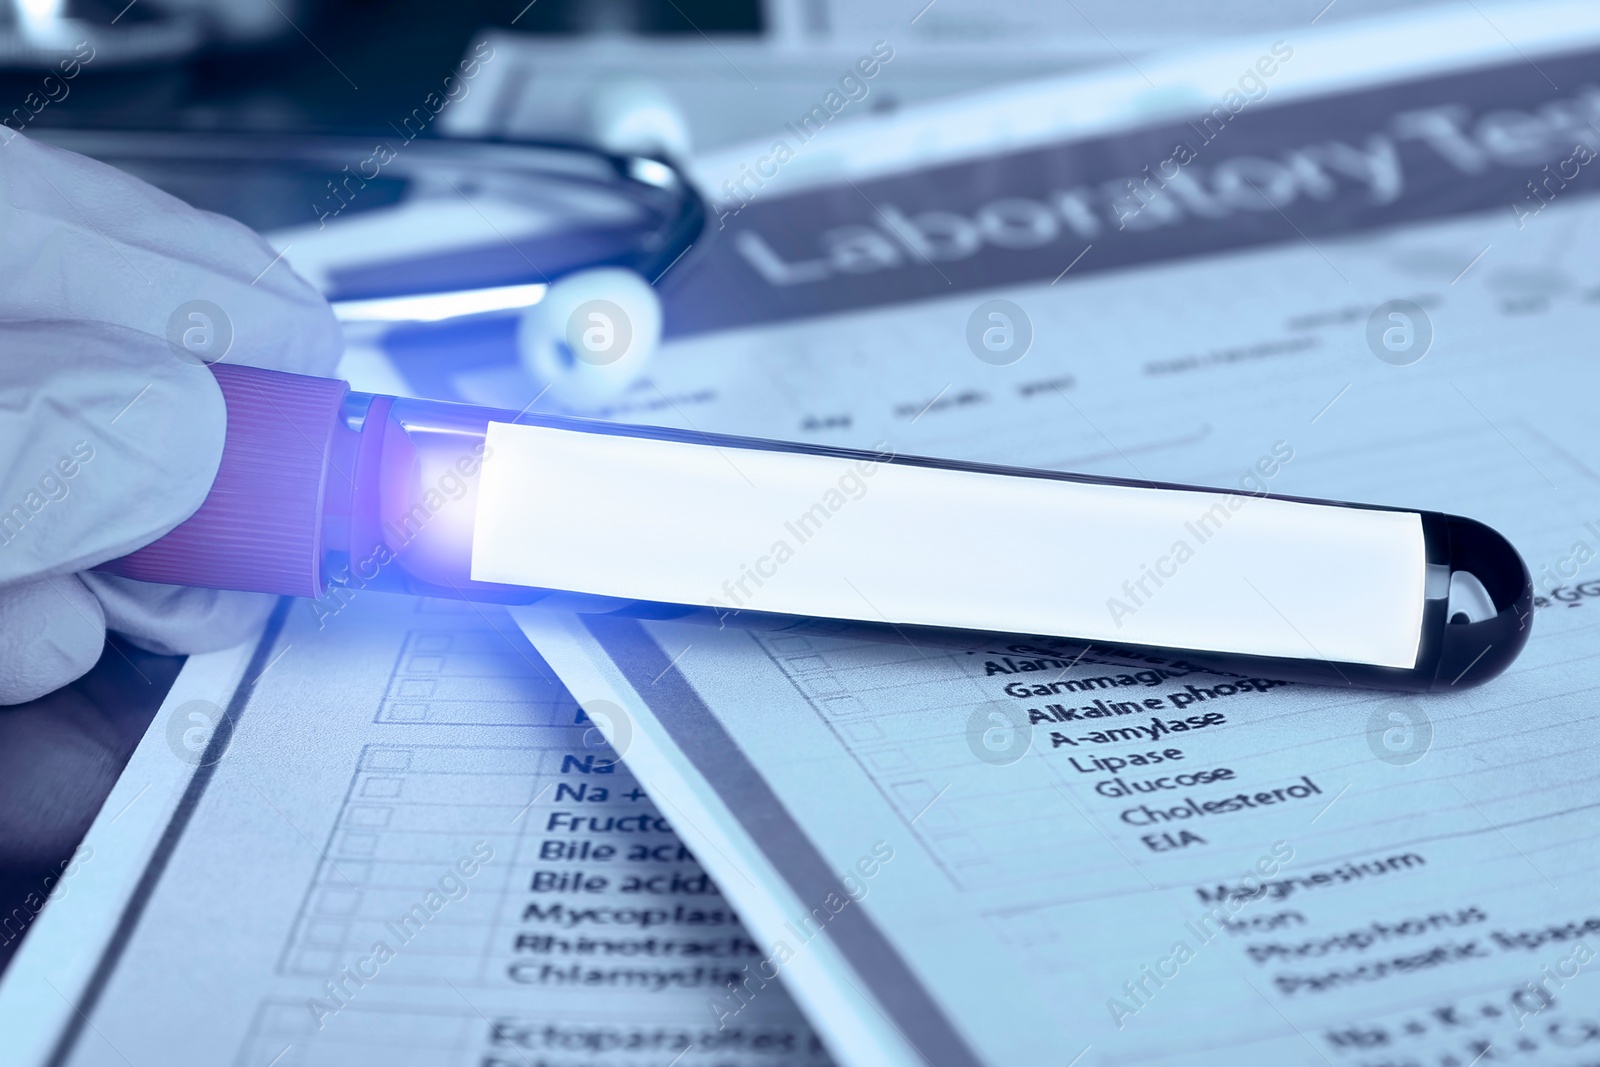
[{"x": 566, "y": 241}]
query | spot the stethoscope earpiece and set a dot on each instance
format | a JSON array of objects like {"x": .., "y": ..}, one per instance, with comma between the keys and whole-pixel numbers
[
  {"x": 638, "y": 117},
  {"x": 591, "y": 335}
]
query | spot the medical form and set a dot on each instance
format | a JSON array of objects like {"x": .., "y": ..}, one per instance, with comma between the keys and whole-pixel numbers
[
  {"x": 405, "y": 844},
  {"x": 1015, "y": 850}
]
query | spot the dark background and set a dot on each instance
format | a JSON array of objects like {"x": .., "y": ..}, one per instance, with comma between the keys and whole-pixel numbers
[{"x": 396, "y": 52}]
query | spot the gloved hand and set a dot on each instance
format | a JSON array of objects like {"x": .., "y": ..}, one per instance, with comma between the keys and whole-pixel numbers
[{"x": 112, "y": 297}]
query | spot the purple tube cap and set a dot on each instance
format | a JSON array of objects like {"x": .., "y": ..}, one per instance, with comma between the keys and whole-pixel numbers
[{"x": 260, "y": 527}]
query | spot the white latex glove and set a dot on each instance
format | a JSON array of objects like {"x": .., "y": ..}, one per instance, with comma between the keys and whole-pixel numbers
[{"x": 111, "y": 437}]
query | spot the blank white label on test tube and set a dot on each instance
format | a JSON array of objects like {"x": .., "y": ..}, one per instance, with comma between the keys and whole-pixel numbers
[{"x": 888, "y": 542}]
